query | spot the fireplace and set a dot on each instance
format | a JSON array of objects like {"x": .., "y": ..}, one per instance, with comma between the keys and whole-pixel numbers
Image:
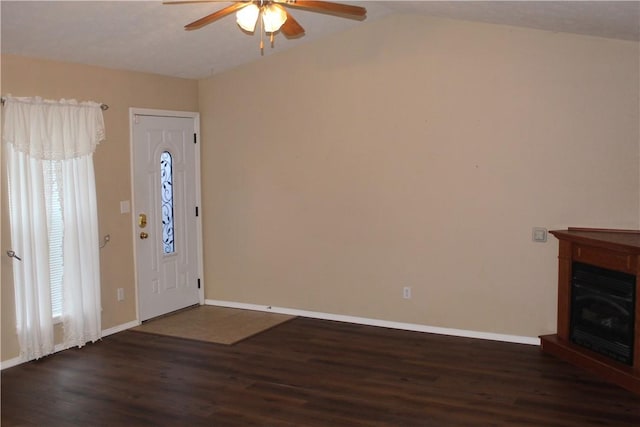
[
  {"x": 602, "y": 311},
  {"x": 598, "y": 305}
]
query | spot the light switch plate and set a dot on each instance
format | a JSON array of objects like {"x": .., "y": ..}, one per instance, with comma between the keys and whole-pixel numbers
[
  {"x": 539, "y": 234},
  {"x": 125, "y": 207}
]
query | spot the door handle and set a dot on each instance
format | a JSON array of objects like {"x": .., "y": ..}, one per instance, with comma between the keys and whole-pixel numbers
[
  {"x": 142, "y": 220},
  {"x": 143, "y": 235}
]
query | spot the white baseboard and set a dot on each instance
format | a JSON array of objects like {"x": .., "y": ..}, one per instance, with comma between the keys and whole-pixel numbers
[
  {"x": 120, "y": 328},
  {"x": 10, "y": 363},
  {"x": 382, "y": 323}
]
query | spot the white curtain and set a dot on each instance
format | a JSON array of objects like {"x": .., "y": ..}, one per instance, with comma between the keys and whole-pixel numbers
[{"x": 53, "y": 142}]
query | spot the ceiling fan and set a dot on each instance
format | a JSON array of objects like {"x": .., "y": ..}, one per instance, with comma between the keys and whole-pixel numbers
[{"x": 274, "y": 14}]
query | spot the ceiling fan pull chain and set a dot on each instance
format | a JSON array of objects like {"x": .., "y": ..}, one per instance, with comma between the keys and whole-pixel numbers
[{"x": 261, "y": 34}]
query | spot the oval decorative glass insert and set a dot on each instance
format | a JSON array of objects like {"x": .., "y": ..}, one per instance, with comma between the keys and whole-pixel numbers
[{"x": 166, "y": 190}]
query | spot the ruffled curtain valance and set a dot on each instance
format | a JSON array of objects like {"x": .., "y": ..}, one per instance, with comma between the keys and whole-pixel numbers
[{"x": 53, "y": 130}]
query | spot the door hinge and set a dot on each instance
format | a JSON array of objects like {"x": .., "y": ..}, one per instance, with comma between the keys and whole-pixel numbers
[
  {"x": 195, "y": 138},
  {"x": 196, "y": 211},
  {"x": 198, "y": 283}
]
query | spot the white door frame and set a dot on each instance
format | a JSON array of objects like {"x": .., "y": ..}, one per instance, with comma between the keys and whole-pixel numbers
[{"x": 196, "y": 123}]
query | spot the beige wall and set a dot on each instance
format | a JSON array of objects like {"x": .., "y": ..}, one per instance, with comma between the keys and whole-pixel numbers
[
  {"x": 120, "y": 90},
  {"x": 417, "y": 152}
]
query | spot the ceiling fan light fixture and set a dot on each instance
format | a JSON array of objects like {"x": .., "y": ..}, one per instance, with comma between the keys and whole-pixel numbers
[
  {"x": 273, "y": 16},
  {"x": 247, "y": 17}
]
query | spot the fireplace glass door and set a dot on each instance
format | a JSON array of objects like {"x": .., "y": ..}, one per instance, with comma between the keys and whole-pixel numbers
[{"x": 602, "y": 311}]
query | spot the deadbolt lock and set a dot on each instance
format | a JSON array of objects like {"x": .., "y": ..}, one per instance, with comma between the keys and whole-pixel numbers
[
  {"x": 143, "y": 235},
  {"x": 142, "y": 220}
]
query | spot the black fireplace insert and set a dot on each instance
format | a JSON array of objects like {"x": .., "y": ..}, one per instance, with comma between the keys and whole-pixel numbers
[{"x": 602, "y": 311}]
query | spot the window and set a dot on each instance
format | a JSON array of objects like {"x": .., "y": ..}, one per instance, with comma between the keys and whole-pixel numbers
[
  {"x": 166, "y": 189},
  {"x": 55, "y": 225}
]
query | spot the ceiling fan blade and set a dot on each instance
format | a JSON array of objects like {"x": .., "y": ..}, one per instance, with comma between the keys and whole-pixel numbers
[
  {"x": 216, "y": 15},
  {"x": 291, "y": 27},
  {"x": 329, "y": 7},
  {"x": 193, "y": 1}
]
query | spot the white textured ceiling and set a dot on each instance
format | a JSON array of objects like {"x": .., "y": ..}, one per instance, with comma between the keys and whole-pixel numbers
[{"x": 149, "y": 36}]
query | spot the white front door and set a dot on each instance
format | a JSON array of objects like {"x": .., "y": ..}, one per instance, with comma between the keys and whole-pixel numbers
[{"x": 165, "y": 164}]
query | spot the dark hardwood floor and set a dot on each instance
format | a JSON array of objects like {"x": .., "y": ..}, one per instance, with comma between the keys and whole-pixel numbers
[{"x": 309, "y": 372}]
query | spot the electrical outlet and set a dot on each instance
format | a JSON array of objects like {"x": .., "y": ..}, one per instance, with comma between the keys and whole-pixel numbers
[
  {"x": 406, "y": 292},
  {"x": 120, "y": 294}
]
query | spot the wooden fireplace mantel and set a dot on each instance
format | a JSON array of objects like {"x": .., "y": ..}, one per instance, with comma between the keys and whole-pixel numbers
[{"x": 617, "y": 250}]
